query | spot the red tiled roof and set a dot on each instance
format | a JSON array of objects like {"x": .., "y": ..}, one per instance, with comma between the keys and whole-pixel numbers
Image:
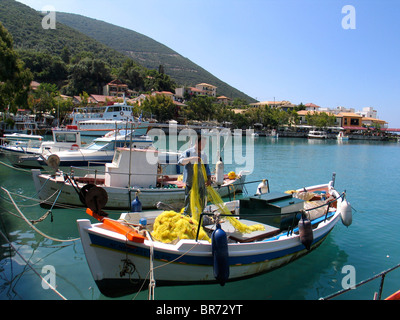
[{"x": 311, "y": 105}]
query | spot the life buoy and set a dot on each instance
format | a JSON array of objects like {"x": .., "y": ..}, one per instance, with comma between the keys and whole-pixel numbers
[
  {"x": 121, "y": 113},
  {"x": 74, "y": 147}
]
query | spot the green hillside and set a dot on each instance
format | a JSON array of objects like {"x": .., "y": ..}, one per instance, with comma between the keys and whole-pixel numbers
[
  {"x": 148, "y": 53},
  {"x": 76, "y": 35},
  {"x": 25, "y": 26}
]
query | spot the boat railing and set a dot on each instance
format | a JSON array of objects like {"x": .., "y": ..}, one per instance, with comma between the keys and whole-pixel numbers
[
  {"x": 377, "y": 295},
  {"x": 291, "y": 228}
]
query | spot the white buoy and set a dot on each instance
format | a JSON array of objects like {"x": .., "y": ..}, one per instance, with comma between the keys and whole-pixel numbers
[
  {"x": 346, "y": 213},
  {"x": 219, "y": 172},
  {"x": 262, "y": 187}
]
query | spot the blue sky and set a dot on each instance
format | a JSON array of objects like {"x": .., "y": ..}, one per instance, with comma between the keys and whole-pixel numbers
[{"x": 294, "y": 50}]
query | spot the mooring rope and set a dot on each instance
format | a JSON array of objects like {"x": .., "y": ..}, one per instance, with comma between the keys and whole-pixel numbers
[
  {"x": 31, "y": 225},
  {"x": 19, "y": 169},
  {"x": 150, "y": 274},
  {"x": 33, "y": 269}
]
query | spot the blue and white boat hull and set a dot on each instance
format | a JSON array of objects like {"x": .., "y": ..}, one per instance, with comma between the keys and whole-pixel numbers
[{"x": 120, "y": 267}]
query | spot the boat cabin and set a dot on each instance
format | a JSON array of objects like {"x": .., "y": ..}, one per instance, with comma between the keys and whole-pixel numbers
[{"x": 136, "y": 167}]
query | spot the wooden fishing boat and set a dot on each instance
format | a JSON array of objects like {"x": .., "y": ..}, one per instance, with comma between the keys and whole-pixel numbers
[
  {"x": 156, "y": 175},
  {"x": 124, "y": 255}
]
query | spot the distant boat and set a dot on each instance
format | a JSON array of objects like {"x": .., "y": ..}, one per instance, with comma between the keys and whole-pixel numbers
[
  {"x": 316, "y": 134},
  {"x": 342, "y": 137},
  {"x": 26, "y": 153},
  {"x": 99, "y": 152},
  {"x": 274, "y": 134},
  {"x": 22, "y": 137},
  {"x": 98, "y": 121}
]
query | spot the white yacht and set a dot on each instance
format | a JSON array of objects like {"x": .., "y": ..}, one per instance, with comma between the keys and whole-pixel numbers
[{"x": 97, "y": 121}]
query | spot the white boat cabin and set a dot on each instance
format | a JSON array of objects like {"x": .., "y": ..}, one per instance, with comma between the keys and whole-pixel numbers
[{"x": 139, "y": 167}]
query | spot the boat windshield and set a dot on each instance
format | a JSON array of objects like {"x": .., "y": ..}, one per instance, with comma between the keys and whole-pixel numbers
[{"x": 101, "y": 145}]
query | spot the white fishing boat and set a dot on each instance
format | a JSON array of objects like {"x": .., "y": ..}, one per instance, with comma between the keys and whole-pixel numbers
[
  {"x": 98, "y": 121},
  {"x": 27, "y": 153},
  {"x": 342, "y": 137},
  {"x": 124, "y": 255},
  {"x": 154, "y": 174},
  {"x": 316, "y": 134},
  {"x": 274, "y": 134},
  {"x": 97, "y": 153}
]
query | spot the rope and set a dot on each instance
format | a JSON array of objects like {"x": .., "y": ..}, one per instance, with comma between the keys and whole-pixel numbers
[
  {"x": 31, "y": 225},
  {"x": 152, "y": 268},
  {"x": 42, "y": 218},
  {"x": 12, "y": 167},
  {"x": 18, "y": 169},
  {"x": 27, "y": 263},
  {"x": 29, "y": 198},
  {"x": 152, "y": 282}
]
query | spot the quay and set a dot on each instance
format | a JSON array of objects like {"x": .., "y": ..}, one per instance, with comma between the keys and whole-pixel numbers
[{"x": 358, "y": 133}]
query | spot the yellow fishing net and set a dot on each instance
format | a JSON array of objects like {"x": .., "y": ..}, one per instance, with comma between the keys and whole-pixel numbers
[{"x": 170, "y": 225}]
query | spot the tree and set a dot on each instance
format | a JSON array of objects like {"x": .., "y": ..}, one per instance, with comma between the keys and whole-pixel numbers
[
  {"x": 89, "y": 75},
  {"x": 201, "y": 108},
  {"x": 43, "y": 98},
  {"x": 14, "y": 78},
  {"x": 131, "y": 74},
  {"x": 320, "y": 119},
  {"x": 158, "y": 82},
  {"x": 161, "y": 106},
  {"x": 45, "y": 67}
]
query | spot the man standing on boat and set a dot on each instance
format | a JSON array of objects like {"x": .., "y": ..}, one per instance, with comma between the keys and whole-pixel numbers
[{"x": 188, "y": 158}]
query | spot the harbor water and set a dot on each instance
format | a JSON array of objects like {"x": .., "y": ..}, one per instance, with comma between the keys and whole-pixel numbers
[{"x": 369, "y": 172}]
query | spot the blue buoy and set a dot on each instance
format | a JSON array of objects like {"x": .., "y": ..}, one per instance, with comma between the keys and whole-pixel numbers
[
  {"x": 220, "y": 254},
  {"x": 136, "y": 205}
]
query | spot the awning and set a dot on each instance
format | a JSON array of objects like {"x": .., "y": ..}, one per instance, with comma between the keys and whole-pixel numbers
[
  {"x": 390, "y": 129},
  {"x": 354, "y": 128}
]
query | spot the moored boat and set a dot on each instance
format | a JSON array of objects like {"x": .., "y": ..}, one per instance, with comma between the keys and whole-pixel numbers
[
  {"x": 27, "y": 153},
  {"x": 342, "y": 137},
  {"x": 97, "y": 153},
  {"x": 316, "y": 134},
  {"x": 104, "y": 119},
  {"x": 124, "y": 255},
  {"x": 155, "y": 174}
]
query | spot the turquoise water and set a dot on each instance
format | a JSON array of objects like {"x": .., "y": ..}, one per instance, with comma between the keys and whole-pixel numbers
[{"x": 368, "y": 171}]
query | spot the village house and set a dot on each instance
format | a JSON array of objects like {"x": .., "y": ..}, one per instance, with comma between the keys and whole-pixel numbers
[
  {"x": 201, "y": 89},
  {"x": 312, "y": 107},
  {"x": 96, "y": 99},
  {"x": 115, "y": 88},
  {"x": 224, "y": 100},
  {"x": 283, "y": 105}
]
